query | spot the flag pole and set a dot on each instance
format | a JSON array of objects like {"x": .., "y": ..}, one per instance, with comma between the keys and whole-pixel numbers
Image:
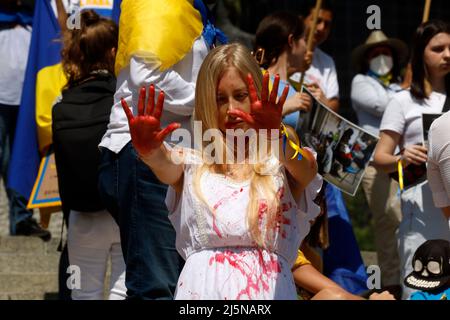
[
  {"x": 426, "y": 11},
  {"x": 311, "y": 36}
]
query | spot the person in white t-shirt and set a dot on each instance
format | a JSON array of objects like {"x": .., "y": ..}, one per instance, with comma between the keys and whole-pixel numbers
[
  {"x": 321, "y": 77},
  {"x": 401, "y": 127},
  {"x": 438, "y": 169}
]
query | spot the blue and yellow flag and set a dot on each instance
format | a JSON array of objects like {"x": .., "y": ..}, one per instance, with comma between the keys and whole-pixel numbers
[
  {"x": 43, "y": 82},
  {"x": 163, "y": 32}
]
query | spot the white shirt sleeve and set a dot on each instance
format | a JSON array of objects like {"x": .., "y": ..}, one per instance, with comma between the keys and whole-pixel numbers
[
  {"x": 332, "y": 83},
  {"x": 393, "y": 118},
  {"x": 369, "y": 96},
  {"x": 438, "y": 169},
  {"x": 179, "y": 93}
]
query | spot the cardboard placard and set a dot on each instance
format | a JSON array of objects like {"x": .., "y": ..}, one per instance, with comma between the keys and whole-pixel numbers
[{"x": 45, "y": 190}]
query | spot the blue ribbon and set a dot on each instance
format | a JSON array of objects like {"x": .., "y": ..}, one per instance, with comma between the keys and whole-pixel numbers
[{"x": 210, "y": 33}]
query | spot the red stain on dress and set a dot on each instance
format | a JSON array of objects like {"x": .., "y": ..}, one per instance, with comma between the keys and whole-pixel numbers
[{"x": 256, "y": 276}]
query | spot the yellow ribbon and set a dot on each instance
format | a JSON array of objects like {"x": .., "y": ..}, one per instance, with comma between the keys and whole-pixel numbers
[
  {"x": 297, "y": 148},
  {"x": 400, "y": 174}
]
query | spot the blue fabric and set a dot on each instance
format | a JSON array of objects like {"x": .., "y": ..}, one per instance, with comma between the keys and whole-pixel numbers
[
  {"x": 290, "y": 119},
  {"x": 210, "y": 33},
  {"x": 422, "y": 295},
  {"x": 135, "y": 198},
  {"x": 115, "y": 14},
  {"x": 17, "y": 204},
  {"x": 342, "y": 260},
  {"x": 23, "y": 18}
]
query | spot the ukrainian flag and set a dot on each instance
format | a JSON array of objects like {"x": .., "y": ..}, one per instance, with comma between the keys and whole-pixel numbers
[{"x": 44, "y": 79}]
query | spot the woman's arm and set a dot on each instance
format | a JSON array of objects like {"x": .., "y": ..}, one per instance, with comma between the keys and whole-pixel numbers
[
  {"x": 385, "y": 159},
  {"x": 367, "y": 97},
  {"x": 148, "y": 137},
  {"x": 302, "y": 171},
  {"x": 323, "y": 288}
]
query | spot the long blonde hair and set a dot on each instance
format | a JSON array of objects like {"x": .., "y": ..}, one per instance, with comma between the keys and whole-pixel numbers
[{"x": 263, "y": 190}]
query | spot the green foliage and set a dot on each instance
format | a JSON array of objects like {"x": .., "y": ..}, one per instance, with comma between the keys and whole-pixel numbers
[{"x": 361, "y": 218}]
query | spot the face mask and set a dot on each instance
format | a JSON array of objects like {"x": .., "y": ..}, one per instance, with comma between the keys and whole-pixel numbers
[{"x": 381, "y": 64}]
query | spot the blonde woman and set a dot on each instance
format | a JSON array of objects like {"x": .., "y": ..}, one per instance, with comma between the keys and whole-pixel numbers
[{"x": 238, "y": 225}]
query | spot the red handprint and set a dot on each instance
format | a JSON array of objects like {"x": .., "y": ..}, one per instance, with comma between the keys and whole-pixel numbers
[
  {"x": 267, "y": 112},
  {"x": 145, "y": 128}
]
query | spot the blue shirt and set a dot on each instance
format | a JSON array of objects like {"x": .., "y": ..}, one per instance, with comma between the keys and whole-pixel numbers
[
  {"x": 292, "y": 118},
  {"x": 422, "y": 295}
]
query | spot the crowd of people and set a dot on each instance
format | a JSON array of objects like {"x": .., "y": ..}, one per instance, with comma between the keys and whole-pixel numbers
[{"x": 180, "y": 222}]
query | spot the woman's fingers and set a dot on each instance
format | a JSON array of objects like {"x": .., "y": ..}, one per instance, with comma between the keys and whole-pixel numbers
[
  {"x": 141, "y": 101},
  {"x": 265, "y": 87},
  {"x": 251, "y": 89},
  {"x": 150, "y": 101},
  {"x": 283, "y": 97},
  {"x": 421, "y": 149},
  {"x": 416, "y": 157},
  {"x": 274, "y": 92},
  {"x": 161, "y": 136},
  {"x": 159, "y": 105},
  {"x": 127, "y": 110},
  {"x": 243, "y": 115}
]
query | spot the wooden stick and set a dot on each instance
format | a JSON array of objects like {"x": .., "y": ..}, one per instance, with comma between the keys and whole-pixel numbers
[
  {"x": 311, "y": 36},
  {"x": 426, "y": 11}
]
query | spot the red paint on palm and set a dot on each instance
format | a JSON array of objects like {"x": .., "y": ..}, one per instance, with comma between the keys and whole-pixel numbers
[
  {"x": 145, "y": 128},
  {"x": 267, "y": 112}
]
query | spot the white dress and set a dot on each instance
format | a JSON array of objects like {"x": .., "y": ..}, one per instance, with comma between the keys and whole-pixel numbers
[{"x": 222, "y": 261}]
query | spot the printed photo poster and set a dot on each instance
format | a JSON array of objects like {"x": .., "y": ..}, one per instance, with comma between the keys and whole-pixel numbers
[
  {"x": 343, "y": 149},
  {"x": 427, "y": 120}
]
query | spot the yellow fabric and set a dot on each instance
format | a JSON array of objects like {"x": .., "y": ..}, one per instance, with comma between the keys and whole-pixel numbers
[
  {"x": 160, "y": 32},
  {"x": 300, "y": 261},
  {"x": 49, "y": 83}
]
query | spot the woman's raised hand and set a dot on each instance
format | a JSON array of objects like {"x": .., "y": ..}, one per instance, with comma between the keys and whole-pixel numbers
[
  {"x": 145, "y": 128},
  {"x": 264, "y": 113}
]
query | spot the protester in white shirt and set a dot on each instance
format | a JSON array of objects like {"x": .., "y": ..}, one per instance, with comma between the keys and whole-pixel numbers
[
  {"x": 378, "y": 62},
  {"x": 401, "y": 127},
  {"x": 438, "y": 169},
  {"x": 321, "y": 77}
]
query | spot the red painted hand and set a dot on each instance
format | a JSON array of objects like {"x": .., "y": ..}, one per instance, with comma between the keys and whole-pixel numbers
[
  {"x": 145, "y": 128},
  {"x": 264, "y": 113}
]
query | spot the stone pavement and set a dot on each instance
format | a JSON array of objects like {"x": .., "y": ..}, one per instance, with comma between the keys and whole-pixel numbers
[
  {"x": 55, "y": 221},
  {"x": 28, "y": 266}
]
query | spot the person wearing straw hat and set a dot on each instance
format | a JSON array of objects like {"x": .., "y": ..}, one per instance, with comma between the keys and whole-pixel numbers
[{"x": 377, "y": 63}]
